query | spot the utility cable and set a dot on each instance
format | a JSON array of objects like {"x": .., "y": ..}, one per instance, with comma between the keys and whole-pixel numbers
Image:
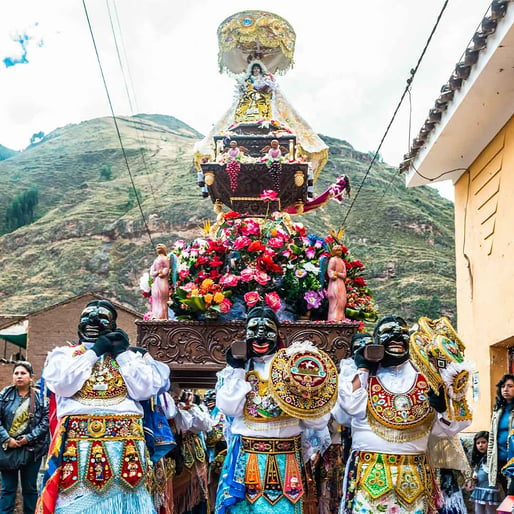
[
  {"x": 127, "y": 90},
  {"x": 116, "y": 124},
  {"x": 407, "y": 88}
]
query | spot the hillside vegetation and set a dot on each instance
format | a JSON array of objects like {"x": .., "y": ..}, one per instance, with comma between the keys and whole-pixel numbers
[{"x": 89, "y": 233}]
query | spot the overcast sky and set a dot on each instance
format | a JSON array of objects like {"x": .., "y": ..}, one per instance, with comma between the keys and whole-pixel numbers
[{"x": 352, "y": 61}]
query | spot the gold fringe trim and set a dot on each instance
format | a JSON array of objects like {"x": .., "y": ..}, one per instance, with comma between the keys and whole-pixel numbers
[{"x": 393, "y": 435}]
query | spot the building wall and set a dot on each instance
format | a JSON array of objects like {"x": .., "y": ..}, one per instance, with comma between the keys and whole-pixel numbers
[
  {"x": 54, "y": 327},
  {"x": 484, "y": 247}
]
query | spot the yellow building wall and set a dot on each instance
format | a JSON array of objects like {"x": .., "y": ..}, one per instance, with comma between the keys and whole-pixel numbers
[{"x": 484, "y": 248}]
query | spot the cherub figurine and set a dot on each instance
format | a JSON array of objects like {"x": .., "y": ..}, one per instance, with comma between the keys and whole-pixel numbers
[
  {"x": 273, "y": 159},
  {"x": 233, "y": 159}
]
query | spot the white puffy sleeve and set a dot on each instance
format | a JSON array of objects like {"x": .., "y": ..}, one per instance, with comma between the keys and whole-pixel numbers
[
  {"x": 139, "y": 376},
  {"x": 350, "y": 401},
  {"x": 202, "y": 421},
  {"x": 231, "y": 391},
  {"x": 64, "y": 373}
]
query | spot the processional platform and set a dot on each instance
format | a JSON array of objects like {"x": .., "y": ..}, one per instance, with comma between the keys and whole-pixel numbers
[{"x": 195, "y": 350}]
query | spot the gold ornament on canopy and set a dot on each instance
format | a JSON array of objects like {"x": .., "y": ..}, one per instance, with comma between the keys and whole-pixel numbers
[
  {"x": 438, "y": 352},
  {"x": 250, "y": 35}
]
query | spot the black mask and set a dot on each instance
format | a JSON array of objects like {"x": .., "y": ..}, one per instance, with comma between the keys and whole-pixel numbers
[
  {"x": 96, "y": 317},
  {"x": 392, "y": 333},
  {"x": 262, "y": 335},
  {"x": 359, "y": 340}
]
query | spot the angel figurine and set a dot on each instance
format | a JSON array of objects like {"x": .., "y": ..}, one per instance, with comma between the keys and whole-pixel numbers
[
  {"x": 273, "y": 159},
  {"x": 233, "y": 160}
]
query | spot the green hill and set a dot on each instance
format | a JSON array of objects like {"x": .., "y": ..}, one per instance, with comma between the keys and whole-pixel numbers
[{"x": 89, "y": 232}]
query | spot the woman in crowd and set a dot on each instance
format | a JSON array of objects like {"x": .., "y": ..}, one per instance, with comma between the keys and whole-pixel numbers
[
  {"x": 23, "y": 423},
  {"x": 502, "y": 423}
]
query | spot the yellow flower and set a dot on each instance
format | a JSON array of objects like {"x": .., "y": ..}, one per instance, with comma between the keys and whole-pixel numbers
[
  {"x": 218, "y": 297},
  {"x": 194, "y": 292},
  {"x": 208, "y": 298},
  {"x": 207, "y": 283}
]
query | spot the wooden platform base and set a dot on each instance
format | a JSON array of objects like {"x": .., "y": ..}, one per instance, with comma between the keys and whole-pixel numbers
[{"x": 195, "y": 350}]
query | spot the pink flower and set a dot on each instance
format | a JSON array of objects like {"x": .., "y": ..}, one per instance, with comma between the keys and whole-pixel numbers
[
  {"x": 229, "y": 280},
  {"x": 225, "y": 305},
  {"x": 261, "y": 277},
  {"x": 251, "y": 298},
  {"x": 147, "y": 316},
  {"x": 242, "y": 242},
  {"x": 269, "y": 196},
  {"x": 275, "y": 242},
  {"x": 310, "y": 252},
  {"x": 272, "y": 300},
  {"x": 250, "y": 228},
  {"x": 247, "y": 274}
]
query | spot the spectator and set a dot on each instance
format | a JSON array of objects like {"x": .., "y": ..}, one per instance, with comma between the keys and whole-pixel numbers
[
  {"x": 502, "y": 423},
  {"x": 485, "y": 497},
  {"x": 23, "y": 422}
]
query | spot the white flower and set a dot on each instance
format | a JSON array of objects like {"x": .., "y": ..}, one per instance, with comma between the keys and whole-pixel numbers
[
  {"x": 310, "y": 267},
  {"x": 144, "y": 282}
]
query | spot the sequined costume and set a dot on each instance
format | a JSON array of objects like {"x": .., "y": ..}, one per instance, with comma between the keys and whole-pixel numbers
[
  {"x": 99, "y": 443},
  {"x": 264, "y": 470},
  {"x": 391, "y": 420}
]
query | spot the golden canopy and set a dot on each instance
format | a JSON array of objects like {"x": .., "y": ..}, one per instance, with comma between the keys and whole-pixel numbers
[{"x": 251, "y": 35}]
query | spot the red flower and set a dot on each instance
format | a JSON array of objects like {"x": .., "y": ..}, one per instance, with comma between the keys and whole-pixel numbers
[
  {"x": 231, "y": 215},
  {"x": 256, "y": 246},
  {"x": 359, "y": 282}
]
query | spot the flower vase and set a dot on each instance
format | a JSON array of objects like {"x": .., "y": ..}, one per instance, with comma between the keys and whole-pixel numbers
[{"x": 211, "y": 315}]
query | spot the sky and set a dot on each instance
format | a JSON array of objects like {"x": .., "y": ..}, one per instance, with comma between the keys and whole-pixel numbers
[{"x": 352, "y": 61}]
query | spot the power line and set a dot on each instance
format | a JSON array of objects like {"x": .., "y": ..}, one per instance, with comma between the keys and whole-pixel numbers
[
  {"x": 133, "y": 107},
  {"x": 407, "y": 88},
  {"x": 116, "y": 124}
]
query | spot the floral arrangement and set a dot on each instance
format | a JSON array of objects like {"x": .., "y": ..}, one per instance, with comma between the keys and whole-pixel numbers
[{"x": 246, "y": 261}]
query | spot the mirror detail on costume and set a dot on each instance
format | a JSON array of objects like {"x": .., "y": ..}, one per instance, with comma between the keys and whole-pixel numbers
[
  {"x": 98, "y": 386},
  {"x": 263, "y": 471},
  {"x": 392, "y": 411}
]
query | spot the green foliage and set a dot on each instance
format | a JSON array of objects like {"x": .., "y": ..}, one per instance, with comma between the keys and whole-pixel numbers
[
  {"x": 133, "y": 196},
  {"x": 429, "y": 308},
  {"x": 106, "y": 172},
  {"x": 20, "y": 210}
]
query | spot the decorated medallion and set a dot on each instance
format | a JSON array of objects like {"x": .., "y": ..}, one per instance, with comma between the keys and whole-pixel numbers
[{"x": 303, "y": 381}]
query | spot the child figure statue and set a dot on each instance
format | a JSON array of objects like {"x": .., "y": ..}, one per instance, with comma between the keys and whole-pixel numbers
[
  {"x": 160, "y": 271},
  {"x": 336, "y": 290}
]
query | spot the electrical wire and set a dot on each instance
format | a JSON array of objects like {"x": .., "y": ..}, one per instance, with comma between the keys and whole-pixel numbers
[
  {"x": 133, "y": 107},
  {"x": 116, "y": 124},
  {"x": 405, "y": 91}
]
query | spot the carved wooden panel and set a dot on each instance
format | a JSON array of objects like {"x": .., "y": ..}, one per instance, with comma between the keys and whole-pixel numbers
[
  {"x": 253, "y": 179},
  {"x": 195, "y": 350}
]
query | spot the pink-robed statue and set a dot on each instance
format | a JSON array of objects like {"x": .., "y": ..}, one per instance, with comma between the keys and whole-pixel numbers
[
  {"x": 160, "y": 271},
  {"x": 336, "y": 289}
]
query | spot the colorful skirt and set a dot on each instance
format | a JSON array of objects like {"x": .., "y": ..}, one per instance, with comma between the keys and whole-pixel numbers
[
  {"x": 102, "y": 466},
  {"x": 384, "y": 482},
  {"x": 262, "y": 476}
]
